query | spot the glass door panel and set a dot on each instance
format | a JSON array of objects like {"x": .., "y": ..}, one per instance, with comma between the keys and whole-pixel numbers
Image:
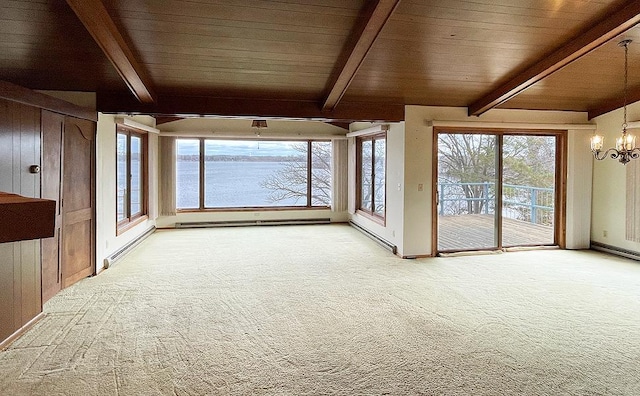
[
  {"x": 528, "y": 190},
  {"x": 466, "y": 191}
]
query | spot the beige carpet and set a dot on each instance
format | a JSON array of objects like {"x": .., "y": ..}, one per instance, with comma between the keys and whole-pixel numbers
[{"x": 315, "y": 310}]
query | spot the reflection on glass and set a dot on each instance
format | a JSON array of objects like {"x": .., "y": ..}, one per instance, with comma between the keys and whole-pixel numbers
[
  {"x": 379, "y": 172},
  {"x": 121, "y": 176},
  {"x": 366, "y": 184},
  {"x": 240, "y": 173},
  {"x": 466, "y": 191},
  {"x": 187, "y": 173},
  {"x": 321, "y": 173},
  {"x": 528, "y": 190},
  {"x": 136, "y": 175}
]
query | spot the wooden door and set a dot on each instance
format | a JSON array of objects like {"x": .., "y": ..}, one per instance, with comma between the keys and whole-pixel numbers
[
  {"x": 78, "y": 201},
  {"x": 52, "y": 128}
]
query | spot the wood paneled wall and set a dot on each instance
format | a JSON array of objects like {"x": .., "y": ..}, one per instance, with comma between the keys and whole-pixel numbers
[
  {"x": 20, "y": 278},
  {"x": 63, "y": 147}
]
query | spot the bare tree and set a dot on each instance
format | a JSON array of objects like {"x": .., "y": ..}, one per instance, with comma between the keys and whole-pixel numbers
[
  {"x": 372, "y": 180},
  {"x": 468, "y": 162},
  {"x": 290, "y": 182}
]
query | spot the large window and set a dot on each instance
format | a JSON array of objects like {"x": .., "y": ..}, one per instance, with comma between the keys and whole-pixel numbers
[
  {"x": 223, "y": 174},
  {"x": 131, "y": 176},
  {"x": 371, "y": 165}
]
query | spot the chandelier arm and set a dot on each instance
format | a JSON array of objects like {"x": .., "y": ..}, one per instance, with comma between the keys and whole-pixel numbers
[{"x": 600, "y": 155}]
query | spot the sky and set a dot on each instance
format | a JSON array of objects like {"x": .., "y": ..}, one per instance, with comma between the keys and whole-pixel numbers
[{"x": 237, "y": 147}]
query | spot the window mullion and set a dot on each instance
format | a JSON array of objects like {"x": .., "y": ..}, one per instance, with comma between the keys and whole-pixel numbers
[
  {"x": 127, "y": 206},
  {"x": 202, "y": 170},
  {"x": 499, "y": 179},
  {"x": 373, "y": 175},
  {"x": 309, "y": 173}
]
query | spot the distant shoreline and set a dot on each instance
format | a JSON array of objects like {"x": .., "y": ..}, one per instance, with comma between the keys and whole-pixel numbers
[{"x": 242, "y": 158}]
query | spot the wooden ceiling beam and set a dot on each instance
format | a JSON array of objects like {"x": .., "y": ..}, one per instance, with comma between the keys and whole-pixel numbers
[
  {"x": 26, "y": 96},
  {"x": 374, "y": 16},
  {"x": 343, "y": 125},
  {"x": 196, "y": 106},
  {"x": 163, "y": 120},
  {"x": 95, "y": 17},
  {"x": 633, "y": 95},
  {"x": 606, "y": 29}
]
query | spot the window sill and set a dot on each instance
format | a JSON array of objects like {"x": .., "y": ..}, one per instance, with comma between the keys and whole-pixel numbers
[{"x": 124, "y": 226}]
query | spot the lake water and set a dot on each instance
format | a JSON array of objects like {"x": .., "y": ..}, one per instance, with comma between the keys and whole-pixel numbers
[{"x": 230, "y": 184}]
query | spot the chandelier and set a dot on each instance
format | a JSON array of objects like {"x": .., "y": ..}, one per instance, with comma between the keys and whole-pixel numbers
[{"x": 625, "y": 149}]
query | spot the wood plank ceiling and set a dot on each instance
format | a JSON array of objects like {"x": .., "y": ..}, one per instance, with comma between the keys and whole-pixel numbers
[{"x": 323, "y": 59}]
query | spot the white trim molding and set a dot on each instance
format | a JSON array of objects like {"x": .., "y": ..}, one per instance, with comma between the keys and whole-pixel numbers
[
  {"x": 134, "y": 124},
  {"x": 633, "y": 124},
  {"x": 510, "y": 125},
  {"x": 368, "y": 131},
  {"x": 264, "y": 135}
]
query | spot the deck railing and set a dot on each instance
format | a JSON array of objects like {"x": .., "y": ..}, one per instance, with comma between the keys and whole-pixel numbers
[{"x": 526, "y": 203}]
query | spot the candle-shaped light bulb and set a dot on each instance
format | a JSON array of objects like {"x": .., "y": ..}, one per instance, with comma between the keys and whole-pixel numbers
[
  {"x": 597, "y": 142},
  {"x": 630, "y": 142}
]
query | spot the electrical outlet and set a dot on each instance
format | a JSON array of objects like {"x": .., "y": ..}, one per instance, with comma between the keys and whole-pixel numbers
[
  {"x": 605, "y": 233},
  {"x": 420, "y": 187}
]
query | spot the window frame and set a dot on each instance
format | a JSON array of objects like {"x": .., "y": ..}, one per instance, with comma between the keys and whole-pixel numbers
[
  {"x": 373, "y": 137},
  {"x": 202, "y": 187},
  {"x": 560, "y": 184},
  {"x": 132, "y": 219}
]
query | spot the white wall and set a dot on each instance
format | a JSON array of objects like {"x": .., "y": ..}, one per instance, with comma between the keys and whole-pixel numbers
[
  {"x": 409, "y": 162},
  {"x": 578, "y": 198},
  {"x": 241, "y": 128},
  {"x": 107, "y": 242},
  {"x": 250, "y": 215},
  {"x": 609, "y": 185},
  {"x": 392, "y": 231}
]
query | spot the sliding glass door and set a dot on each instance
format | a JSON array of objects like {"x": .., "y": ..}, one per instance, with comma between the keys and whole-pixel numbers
[
  {"x": 467, "y": 166},
  {"x": 496, "y": 189}
]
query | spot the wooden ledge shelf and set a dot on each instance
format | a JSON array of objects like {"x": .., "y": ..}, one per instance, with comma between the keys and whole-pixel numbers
[{"x": 24, "y": 218}]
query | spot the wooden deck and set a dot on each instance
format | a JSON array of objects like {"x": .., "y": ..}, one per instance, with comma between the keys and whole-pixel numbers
[{"x": 467, "y": 232}]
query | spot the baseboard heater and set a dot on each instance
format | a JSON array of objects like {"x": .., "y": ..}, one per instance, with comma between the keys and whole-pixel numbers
[
  {"x": 118, "y": 254},
  {"x": 615, "y": 250},
  {"x": 245, "y": 223},
  {"x": 382, "y": 242}
]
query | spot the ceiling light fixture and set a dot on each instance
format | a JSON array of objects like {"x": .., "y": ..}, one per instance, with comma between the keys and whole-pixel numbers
[
  {"x": 259, "y": 124},
  {"x": 625, "y": 149}
]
